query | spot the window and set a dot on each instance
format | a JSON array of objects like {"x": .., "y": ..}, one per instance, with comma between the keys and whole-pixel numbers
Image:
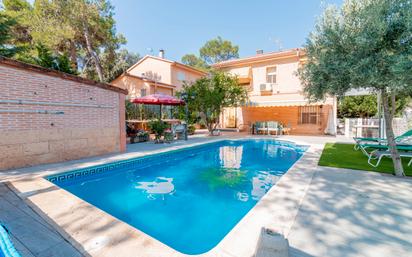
[
  {"x": 181, "y": 76},
  {"x": 310, "y": 115},
  {"x": 271, "y": 75},
  {"x": 143, "y": 92}
]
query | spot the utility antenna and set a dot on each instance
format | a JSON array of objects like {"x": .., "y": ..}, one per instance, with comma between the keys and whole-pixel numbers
[
  {"x": 278, "y": 43},
  {"x": 149, "y": 50}
]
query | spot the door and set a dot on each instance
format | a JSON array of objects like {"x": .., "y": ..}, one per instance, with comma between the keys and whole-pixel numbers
[{"x": 230, "y": 117}]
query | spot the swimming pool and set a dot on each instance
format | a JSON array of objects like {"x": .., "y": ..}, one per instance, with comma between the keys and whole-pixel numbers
[{"x": 189, "y": 199}]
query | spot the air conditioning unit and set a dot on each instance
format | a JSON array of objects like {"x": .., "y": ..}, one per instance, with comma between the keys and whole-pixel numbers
[{"x": 266, "y": 87}]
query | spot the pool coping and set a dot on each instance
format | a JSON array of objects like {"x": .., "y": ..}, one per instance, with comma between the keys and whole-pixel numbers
[{"x": 97, "y": 233}]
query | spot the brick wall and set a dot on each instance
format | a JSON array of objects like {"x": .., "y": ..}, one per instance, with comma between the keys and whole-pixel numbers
[{"x": 84, "y": 118}]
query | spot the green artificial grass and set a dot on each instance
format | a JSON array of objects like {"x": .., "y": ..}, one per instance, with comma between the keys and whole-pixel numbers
[{"x": 344, "y": 156}]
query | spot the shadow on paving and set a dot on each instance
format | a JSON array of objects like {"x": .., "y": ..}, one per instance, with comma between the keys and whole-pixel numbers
[{"x": 354, "y": 213}]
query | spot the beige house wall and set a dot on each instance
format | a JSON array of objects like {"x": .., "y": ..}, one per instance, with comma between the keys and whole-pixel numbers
[
  {"x": 190, "y": 77},
  {"x": 157, "y": 76},
  {"x": 133, "y": 86},
  {"x": 280, "y": 104},
  {"x": 154, "y": 69}
]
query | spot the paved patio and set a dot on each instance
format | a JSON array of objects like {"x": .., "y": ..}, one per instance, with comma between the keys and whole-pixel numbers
[
  {"x": 31, "y": 235},
  {"x": 323, "y": 211},
  {"x": 354, "y": 213}
]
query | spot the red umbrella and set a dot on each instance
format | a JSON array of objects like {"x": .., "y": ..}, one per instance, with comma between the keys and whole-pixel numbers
[{"x": 158, "y": 99}]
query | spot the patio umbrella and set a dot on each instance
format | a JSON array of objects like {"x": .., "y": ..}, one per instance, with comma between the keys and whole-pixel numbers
[{"x": 158, "y": 99}]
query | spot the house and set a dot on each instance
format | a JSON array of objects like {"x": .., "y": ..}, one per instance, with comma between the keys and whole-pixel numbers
[
  {"x": 276, "y": 94},
  {"x": 155, "y": 74}
]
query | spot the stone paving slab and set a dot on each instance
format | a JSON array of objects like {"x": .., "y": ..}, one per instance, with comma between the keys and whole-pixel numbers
[
  {"x": 354, "y": 213},
  {"x": 31, "y": 235}
]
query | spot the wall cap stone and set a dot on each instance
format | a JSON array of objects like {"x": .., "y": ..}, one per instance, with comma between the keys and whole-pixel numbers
[{"x": 59, "y": 74}]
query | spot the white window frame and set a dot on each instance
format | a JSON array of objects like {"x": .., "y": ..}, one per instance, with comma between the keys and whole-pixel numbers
[
  {"x": 272, "y": 75},
  {"x": 143, "y": 90}
]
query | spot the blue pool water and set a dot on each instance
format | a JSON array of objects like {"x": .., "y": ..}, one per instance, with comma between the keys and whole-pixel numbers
[{"x": 188, "y": 199}]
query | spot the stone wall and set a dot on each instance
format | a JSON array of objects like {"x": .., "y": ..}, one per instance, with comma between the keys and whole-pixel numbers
[{"x": 48, "y": 116}]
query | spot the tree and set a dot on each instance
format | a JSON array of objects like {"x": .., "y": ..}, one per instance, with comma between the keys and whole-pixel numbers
[
  {"x": 365, "y": 44},
  {"x": 47, "y": 59},
  {"x": 19, "y": 11},
  {"x": 83, "y": 30},
  {"x": 87, "y": 24},
  {"x": 194, "y": 61},
  {"x": 365, "y": 106},
  {"x": 218, "y": 50},
  {"x": 209, "y": 95},
  {"x": 6, "y": 47},
  {"x": 213, "y": 51},
  {"x": 114, "y": 66},
  {"x": 362, "y": 106}
]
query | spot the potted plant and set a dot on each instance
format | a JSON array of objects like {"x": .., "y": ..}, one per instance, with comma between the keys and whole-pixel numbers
[
  {"x": 158, "y": 127},
  {"x": 191, "y": 129},
  {"x": 168, "y": 136},
  {"x": 142, "y": 136}
]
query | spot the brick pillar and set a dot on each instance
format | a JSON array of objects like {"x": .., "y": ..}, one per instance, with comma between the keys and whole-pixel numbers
[{"x": 122, "y": 121}]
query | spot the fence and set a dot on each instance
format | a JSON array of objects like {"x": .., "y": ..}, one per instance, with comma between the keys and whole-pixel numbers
[{"x": 361, "y": 127}]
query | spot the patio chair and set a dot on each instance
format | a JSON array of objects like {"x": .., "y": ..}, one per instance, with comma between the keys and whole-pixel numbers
[
  {"x": 362, "y": 140},
  {"x": 287, "y": 129},
  {"x": 378, "y": 155},
  {"x": 178, "y": 131},
  {"x": 261, "y": 127},
  {"x": 272, "y": 126},
  {"x": 6, "y": 246}
]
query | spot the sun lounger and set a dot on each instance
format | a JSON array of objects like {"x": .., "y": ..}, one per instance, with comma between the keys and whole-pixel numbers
[
  {"x": 383, "y": 147},
  {"x": 378, "y": 155},
  {"x": 6, "y": 246},
  {"x": 368, "y": 140}
]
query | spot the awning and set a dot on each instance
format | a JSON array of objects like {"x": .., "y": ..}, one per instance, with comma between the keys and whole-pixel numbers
[{"x": 281, "y": 103}]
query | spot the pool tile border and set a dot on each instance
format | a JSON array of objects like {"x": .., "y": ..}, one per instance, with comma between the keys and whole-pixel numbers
[{"x": 146, "y": 160}]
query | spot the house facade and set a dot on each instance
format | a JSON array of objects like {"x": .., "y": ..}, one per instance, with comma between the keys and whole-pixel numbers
[
  {"x": 276, "y": 94},
  {"x": 155, "y": 74}
]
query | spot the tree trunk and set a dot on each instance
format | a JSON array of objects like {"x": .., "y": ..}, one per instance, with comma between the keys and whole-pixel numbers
[
  {"x": 388, "y": 113},
  {"x": 91, "y": 52}
]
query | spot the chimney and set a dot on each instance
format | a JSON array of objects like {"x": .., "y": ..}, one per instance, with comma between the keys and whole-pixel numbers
[
  {"x": 259, "y": 51},
  {"x": 162, "y": 53}
]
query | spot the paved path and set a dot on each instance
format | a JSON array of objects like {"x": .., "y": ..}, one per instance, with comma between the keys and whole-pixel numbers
[
  {"x": 354, "y": 213},
  {"x": 31, "y": 235}
]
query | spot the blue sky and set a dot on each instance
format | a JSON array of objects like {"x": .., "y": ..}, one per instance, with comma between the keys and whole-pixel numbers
[{"x": 183, "y": 26}]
